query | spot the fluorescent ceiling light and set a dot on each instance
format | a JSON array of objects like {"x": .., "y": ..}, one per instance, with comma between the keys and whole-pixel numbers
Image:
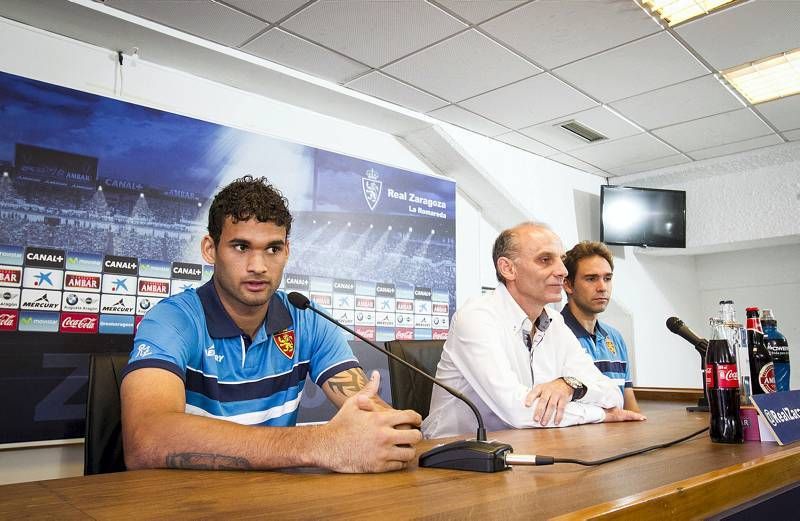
[
  {"x": 677, "y": 11},
  {"x": 768, "y": 79}
]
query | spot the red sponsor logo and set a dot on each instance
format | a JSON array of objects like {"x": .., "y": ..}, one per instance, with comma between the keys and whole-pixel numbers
[
  {"x": 766, "y": 377},
  {"x": 82, "y": 281},
  {"x": 10, "y": 275},
  {"x": 79, "y": 323},
  {"x": 727, "y": 376},
  {"x": 440, "y": 309},
  {"x": 152, "y": 286},
  {"x": 404, "y": 305},
  {"x": 9, "y": 319},
  {"x": 404, "y": 333},
  {"x": 366, "y": 332},
  {"x": 362, "y": 302},
  {"x": 136, "y": 322},
  {"x": 285, "y": 342},
  {"x": 439, "y": 334},
  {"x": 322, "y": 299}
]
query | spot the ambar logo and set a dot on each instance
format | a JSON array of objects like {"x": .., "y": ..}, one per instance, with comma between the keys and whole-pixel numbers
[
  {"x": 10, "y": 276},
  {"x": 84, "y": 282}
]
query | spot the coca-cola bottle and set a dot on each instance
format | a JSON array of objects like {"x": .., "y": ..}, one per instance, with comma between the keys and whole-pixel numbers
[
  {"x": 778, "y": 349},
  {"x": 762, "y": 372},
  {"x": 722, "y": 385}
]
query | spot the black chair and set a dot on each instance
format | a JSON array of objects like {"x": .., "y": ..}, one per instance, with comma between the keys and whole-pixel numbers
[
  {"x": 409, "y": 389},
  {"x": 103, "y": 449}
]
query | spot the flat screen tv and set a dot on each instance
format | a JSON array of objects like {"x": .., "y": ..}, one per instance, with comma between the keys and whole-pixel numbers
[{"x": 643, "y": 217}]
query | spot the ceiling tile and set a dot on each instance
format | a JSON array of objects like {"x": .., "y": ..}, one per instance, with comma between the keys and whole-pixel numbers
[
  {"x": 526, "y": 143},
  {"x": 564, "y": 159},
  {"x": 714, "y": 130},
  {"x": 644, "y": 166},
  {"x": 270, "y": 11},
  {"x": 691, "y": 99},
  {"x": 372, "y": 32},
  {"x": 477, "y": 12},
  {"x": 599, "y": 119},
  {"x": 615, "y": 154},
  {"x": 740, "y": 146},
  {"x": 784, "y": 113},
  {"x": 745, "y": 32},
  {"x": 203, "y": 18},
  {"x": 529, "y": 101},
  {"x": 793, "y": 135},
  {"x": 464, "y": 118},
  {"x": 389, "y": 89},
  {"x": 648, "y": 64},
  {"x": 289, "y": 50},
  {"x": 554, "y": 33},
  {"x": 462, "y": 66}
]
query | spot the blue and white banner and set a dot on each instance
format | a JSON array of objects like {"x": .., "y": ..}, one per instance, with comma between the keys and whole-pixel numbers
[{"x": 104, "y": 204}]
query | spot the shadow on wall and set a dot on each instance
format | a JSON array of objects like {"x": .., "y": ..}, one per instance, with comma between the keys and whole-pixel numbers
[
  {"x": 621, "y": 318},
  {"x": 587, "y": 215}
]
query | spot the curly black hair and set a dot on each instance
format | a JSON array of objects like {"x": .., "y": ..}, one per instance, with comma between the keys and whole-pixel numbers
[{"x": 244, "y": 199}]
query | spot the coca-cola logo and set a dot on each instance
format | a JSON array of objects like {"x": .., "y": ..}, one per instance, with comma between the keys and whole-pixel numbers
[
  {"x": 7, "y": 320},
  {"x": 79, "y": 323}
]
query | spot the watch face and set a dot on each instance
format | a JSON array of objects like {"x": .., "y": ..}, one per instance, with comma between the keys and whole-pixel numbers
[{"x": 572, "y": 382}]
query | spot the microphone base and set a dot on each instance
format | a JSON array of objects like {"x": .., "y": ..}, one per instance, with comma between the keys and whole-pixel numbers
[{"x": 471, "y": 455}]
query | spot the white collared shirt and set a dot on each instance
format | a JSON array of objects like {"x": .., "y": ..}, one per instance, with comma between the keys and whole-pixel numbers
[{"x": 486, "y": 359}]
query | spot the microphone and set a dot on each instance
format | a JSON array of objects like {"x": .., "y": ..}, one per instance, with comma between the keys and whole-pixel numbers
[
  {"x": 677, "y": 326},
  {"x": 476, "y": 455}
]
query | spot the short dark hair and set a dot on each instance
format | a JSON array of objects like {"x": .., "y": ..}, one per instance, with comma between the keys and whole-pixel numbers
[
  {"x": 247, "y": 198},
  {"x": 583, "y": 250},
  {"x": 507, "y": 244}
]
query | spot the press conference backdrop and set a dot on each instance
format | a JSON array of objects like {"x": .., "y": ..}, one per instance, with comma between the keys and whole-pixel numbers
[{"x": 104, "y": 203}]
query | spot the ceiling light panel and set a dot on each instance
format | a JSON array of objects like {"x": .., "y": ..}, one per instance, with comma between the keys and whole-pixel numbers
[
  {"x": 768, "y": 79},
  {"x": 676, "y": 11}
]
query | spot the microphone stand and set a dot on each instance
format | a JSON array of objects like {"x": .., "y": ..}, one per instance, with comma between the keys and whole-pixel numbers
[
  {"x": 478, "y": 455},
  {"x": 702, "y": 402}
]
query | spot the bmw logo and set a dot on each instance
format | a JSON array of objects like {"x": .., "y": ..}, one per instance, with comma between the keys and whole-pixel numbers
[
  {"x": 72, "y": 299},
  {"x": 144, "y": 303}
]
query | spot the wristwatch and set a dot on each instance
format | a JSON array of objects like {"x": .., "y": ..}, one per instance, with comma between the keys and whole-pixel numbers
[{"x": 579, "y": 390}]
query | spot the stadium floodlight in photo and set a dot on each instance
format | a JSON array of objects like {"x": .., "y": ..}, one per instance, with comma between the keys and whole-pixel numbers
[
  {"x": 674, "y": 12},
  {"x": 767, "y": 79}
]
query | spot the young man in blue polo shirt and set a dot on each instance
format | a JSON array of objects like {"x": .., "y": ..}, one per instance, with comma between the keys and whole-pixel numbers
[
  {"x": 588, "y": 286},
  {"x": 216, "y": 375}
]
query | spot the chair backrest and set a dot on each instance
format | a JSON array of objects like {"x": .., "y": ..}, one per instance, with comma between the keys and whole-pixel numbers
[
  {"x": 409, "y": 389},
  {"x": 103, "y": 449}
]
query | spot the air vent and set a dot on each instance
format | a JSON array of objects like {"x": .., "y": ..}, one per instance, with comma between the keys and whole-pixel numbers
[{"x": 585, "y": 133}]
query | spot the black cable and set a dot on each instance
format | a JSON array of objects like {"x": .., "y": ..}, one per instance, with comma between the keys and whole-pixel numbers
[{"x": 628, "y": 454}]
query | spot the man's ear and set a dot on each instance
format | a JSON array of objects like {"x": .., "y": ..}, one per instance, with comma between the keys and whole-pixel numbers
[
  {"x": 208, "y": 250},
  {"x": 506, "y": 268},
  {"x": 568, "y": 287}
]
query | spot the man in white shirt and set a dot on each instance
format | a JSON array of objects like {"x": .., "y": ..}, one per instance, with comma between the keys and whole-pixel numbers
[{"x": 515, "y": 358}]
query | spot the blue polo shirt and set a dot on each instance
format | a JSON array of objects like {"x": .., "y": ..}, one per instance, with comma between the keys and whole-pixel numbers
[
  {"x": 606, "y": 347},
  {"x": 228, "y": 375}
]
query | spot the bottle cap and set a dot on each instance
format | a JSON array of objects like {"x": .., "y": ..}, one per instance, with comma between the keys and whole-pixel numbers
[
  {"x": 766, "y": 314},
  {"x": 751, "y": 309}
]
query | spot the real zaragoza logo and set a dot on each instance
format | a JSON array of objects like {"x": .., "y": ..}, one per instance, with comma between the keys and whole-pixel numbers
[{"x": 372, "y": 188}]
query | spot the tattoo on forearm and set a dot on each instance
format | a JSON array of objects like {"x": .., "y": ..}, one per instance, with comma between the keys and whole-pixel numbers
[
  {"x": 203, "y": 461},
  {"x": 348, "y": 382}
]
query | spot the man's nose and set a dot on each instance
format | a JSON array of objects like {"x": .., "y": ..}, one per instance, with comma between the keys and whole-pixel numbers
[{"x": 256, "y": 264}]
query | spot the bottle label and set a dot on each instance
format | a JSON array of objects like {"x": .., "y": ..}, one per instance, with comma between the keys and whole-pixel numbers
[
  {"x": 727, "y": 376},
  {"x": 709, "y": 377},
  {"x": 766, "y": 378}
]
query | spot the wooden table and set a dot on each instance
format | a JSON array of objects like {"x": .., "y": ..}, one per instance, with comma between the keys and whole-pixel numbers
[{"x": 693, "y": 479}]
